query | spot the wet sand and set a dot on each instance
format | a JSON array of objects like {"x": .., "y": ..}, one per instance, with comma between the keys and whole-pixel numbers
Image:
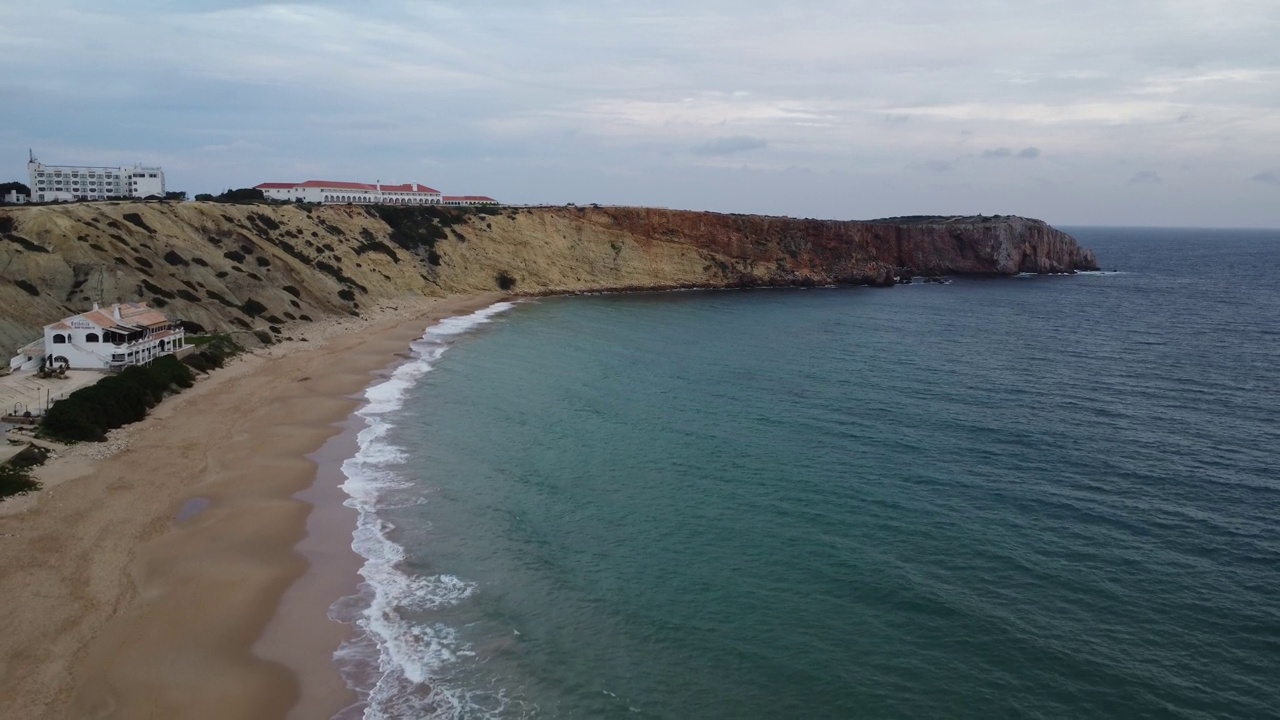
[{"x": 116, "y": 609}]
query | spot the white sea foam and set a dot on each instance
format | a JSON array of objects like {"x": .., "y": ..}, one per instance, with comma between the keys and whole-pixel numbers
[{"x": 394, "y": 662}]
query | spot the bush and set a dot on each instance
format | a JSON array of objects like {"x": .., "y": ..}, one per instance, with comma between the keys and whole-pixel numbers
[
  {"x": 253, "y": 308},
  {"x": 16, "y": 481},
  {"x": 214, "y": 352},
  {"x": 15, "y": 476},
  {"x": 136, "y": 219},
  {"x": 241, "y": 195},
  {"x": 414, "y": 227},
  {"x": 115, "y": 401}
]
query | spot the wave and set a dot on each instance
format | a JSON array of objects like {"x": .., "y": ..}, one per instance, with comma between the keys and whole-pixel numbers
[{"x": 392, "y": 661}]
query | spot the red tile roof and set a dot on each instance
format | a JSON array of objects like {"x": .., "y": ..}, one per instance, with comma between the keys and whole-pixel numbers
[{"x": 340, "y": 185}]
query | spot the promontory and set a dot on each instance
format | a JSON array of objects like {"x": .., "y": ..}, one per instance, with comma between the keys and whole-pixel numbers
[{"x": 270, "y": 267}]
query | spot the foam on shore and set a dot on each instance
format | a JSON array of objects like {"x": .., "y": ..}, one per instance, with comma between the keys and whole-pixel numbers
[{"x": 393, "y": 662}]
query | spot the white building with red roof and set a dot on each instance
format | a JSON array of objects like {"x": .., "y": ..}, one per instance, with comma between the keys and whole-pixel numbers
[
  {"x": 469, "y": 200},
  {"x": 331, "y": 192},
  {"x": 110, "y": 338}
]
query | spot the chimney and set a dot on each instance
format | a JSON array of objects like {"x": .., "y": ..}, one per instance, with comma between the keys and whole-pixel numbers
[
  {"x": 95, "y": 307},
  {"x": 115, "y": 312}
]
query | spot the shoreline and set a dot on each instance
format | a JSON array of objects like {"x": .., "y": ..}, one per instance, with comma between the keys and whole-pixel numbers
[
  {"x": 117, "y": 609},
  {"x": 301, "y": 635}
]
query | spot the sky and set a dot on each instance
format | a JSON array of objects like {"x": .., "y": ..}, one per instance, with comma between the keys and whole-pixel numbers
[{"x": 1079, "y": 112}]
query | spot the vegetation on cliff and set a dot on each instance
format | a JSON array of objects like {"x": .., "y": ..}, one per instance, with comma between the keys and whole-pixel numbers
[{"x": 258, "y": 268}]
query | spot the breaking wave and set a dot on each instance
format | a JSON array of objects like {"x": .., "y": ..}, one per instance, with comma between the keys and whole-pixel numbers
[{"x": 393, "y": 662}]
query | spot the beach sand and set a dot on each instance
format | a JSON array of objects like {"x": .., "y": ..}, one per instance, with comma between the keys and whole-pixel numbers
[{"x": 113, "y": 607}]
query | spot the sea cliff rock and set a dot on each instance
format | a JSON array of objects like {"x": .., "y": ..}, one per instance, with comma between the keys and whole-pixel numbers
[{"x": 270, "y": 267}]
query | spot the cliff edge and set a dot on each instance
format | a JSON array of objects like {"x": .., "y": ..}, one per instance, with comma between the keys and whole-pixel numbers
[{"x": 267, "y": 267}]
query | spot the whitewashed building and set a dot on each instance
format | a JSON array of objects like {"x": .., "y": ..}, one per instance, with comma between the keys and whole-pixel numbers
[
  {"x": 110, "y": 338},
  {"x": 13, "y": 197},
  {"x": 86, "y": 182},
  {"x": 331, "y": 192}
]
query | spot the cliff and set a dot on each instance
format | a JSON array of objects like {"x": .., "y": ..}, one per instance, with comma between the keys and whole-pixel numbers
[{"x": 247, "y": 266}]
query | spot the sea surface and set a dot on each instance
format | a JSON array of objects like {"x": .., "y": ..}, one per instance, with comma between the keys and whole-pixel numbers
[{"x": 1033, "y": 497}]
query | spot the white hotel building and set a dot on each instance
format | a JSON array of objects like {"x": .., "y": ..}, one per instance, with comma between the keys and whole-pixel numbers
[
  {"x": 337, "y": 192},
  {"x": 68, "y": 183},
  {"x": 110, "y": 338}
]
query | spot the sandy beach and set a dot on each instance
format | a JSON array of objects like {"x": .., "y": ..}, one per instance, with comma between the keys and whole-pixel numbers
[{"x": 117, "y": 607}]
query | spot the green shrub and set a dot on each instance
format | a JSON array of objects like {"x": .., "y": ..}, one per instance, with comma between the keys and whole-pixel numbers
[
  {"x": 115, "y": 401},
  {"x": 253, "y": 308},
  {"x": 214, "y": 352},
  {"x": 241, "y": 196},
  {"x": 16, "y": 481}
]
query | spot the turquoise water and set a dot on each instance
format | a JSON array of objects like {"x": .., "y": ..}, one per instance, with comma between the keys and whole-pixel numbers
[{"x": 1032, "y": 497}]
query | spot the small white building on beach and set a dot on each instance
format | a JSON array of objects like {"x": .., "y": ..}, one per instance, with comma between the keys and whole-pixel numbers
[
  {"x": 111, "y": 338},
  {"x": 336, "y": 192}
]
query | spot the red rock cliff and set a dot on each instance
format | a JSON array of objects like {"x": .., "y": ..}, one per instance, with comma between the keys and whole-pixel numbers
[{"x": 259, "y": 266}]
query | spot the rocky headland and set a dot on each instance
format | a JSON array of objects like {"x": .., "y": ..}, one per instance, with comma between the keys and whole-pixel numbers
[{"x": 269, "y": 268}]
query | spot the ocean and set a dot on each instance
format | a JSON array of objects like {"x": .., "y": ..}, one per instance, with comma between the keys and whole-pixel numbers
[{"x": 1030, "y": 497}]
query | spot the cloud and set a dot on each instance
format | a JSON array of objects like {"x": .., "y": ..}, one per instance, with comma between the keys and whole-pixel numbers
[
  {"x": 542, "y": 100},
  {"x": 1270, "y": 177},
  {"x": 1000, "y": 153},
  {"x": 730, "y": 145},
  {"x": 1146, "y": 177},
  {"x": 937, "y": 166}
]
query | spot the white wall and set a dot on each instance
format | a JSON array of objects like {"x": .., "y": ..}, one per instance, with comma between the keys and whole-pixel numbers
[
  {"x": 82, "y": 354},
  {"x": 340, "y": 196},
  {"x": 83, "y": 182},
  {"x": 145, "y": 182}
]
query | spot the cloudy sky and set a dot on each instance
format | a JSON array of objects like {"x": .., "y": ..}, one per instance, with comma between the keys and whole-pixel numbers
[{"x": 1126, "y": 112}]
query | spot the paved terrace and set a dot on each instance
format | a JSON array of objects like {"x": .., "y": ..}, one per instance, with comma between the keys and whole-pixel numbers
[{"x": 25, "y": 389}]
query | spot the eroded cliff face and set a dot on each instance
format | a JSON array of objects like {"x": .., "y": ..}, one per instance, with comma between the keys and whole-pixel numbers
[{"x": 270, "y": 267}]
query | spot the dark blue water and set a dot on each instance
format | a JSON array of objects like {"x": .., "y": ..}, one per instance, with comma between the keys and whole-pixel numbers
[{"x": 1037, "y": 497}]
